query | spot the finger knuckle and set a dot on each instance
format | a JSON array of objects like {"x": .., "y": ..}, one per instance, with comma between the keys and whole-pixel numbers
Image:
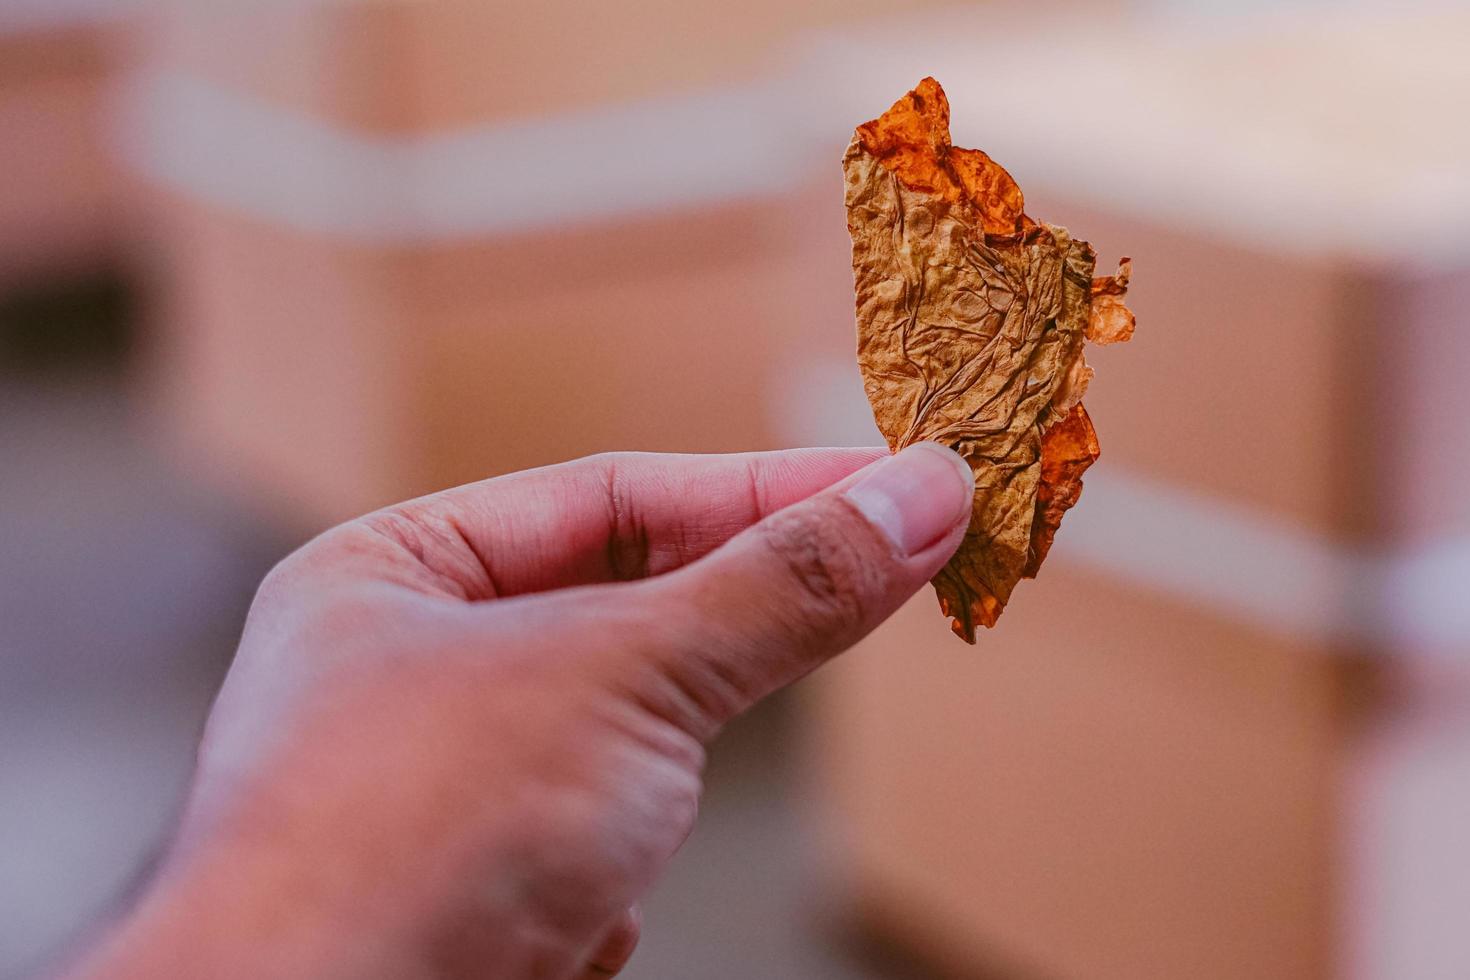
[
  {"x": 684, "y": 799},
  {"x": 289, "y": 578},
  {"x": 276, "y": 583}
]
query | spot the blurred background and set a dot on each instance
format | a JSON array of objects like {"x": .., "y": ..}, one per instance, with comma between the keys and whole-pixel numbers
[{"x": 266, "y": 267}]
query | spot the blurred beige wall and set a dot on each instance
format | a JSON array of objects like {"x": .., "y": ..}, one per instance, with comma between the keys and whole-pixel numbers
[{"x": 403, "y": 245}]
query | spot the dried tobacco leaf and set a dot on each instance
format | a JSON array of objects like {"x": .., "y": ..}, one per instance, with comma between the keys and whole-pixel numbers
[
  {"x": 1111, "y": 322},
  {"x": 971, "y": 322}
]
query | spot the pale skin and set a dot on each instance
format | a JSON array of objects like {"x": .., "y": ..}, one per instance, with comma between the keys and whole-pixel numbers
[{"x": 462, "y": 736}]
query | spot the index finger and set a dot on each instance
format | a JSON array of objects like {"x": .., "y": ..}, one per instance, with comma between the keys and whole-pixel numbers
[{"x": 604, "y": 518}]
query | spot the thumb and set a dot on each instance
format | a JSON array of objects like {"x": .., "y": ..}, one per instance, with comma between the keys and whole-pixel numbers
[{"x": 806, "y": 583}]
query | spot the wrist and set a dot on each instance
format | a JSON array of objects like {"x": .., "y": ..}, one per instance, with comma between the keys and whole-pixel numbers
[
  {"x": 241, "y": 911},
  {"x": 251, "y": 904}
]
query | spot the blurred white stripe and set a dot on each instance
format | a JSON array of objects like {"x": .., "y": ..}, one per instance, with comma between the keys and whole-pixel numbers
[
  {"x": 238, "y": 152},
  {"x": 283, "y": 166},
  {"x": 1246, "y": 564},
  {"x": 1425, "y": 596},
  {"x": 1259, "y": 568},
  {"x": 658, "y": 154}
]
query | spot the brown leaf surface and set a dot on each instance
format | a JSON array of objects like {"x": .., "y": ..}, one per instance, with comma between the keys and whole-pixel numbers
[
  {"x": 971, "y": 323},
  {"x": 1067, "y": 450},
  {"x": 1111, "y": 321}
]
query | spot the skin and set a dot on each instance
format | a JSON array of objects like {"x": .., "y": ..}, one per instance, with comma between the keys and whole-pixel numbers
[{"x": 462, "y": 736}]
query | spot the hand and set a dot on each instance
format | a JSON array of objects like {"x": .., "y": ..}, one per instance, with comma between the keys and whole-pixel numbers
[{"x": 463, "y": 735}]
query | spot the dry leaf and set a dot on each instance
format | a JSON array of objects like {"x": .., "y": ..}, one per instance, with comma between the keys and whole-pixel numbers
[
  {"x": 971, "y": 322},
  {"x": 1111, "y": 322}
]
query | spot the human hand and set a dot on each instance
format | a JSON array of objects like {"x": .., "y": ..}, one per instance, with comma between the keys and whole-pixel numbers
[{"x": 463, "y": 735}]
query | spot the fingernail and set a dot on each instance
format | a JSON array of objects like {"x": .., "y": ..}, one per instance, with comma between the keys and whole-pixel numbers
[{"x": 915, "y": 497}]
